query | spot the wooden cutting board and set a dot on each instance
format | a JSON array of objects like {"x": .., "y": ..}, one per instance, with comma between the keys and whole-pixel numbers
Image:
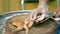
[{"x": 47, "y": 27}]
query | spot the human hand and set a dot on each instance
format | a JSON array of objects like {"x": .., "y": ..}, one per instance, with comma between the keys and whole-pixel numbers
[
  {"x": 57, "y": 13},
  {"x": 40, "y": 11}
]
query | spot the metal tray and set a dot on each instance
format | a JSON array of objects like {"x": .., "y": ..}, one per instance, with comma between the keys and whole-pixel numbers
[{"x": 5, "y": 16}]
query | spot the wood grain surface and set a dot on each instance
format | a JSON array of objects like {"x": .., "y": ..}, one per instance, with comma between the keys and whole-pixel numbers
[{"x": 47, "y": 27}]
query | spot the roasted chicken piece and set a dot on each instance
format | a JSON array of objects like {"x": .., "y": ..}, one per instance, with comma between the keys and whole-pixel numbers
[{"x": 22, "y": 25}]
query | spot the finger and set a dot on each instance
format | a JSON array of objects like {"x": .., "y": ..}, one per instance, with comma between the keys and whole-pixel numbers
[{"x": 33, "y": 14}]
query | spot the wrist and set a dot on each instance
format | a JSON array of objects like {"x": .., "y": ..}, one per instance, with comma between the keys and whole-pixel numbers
[
  {"x": 39, "y": 6},
  {"x": 42, "y": 2},
  {"x": 43, "y": 5}
]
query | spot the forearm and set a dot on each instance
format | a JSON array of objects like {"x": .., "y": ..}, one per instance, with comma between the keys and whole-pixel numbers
[{"x": 43, "y": 2}]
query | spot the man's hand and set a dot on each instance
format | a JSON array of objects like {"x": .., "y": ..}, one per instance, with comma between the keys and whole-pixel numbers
[
  {"x": 57, "y": 13},
  {"x": 41, "y": 9}
]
